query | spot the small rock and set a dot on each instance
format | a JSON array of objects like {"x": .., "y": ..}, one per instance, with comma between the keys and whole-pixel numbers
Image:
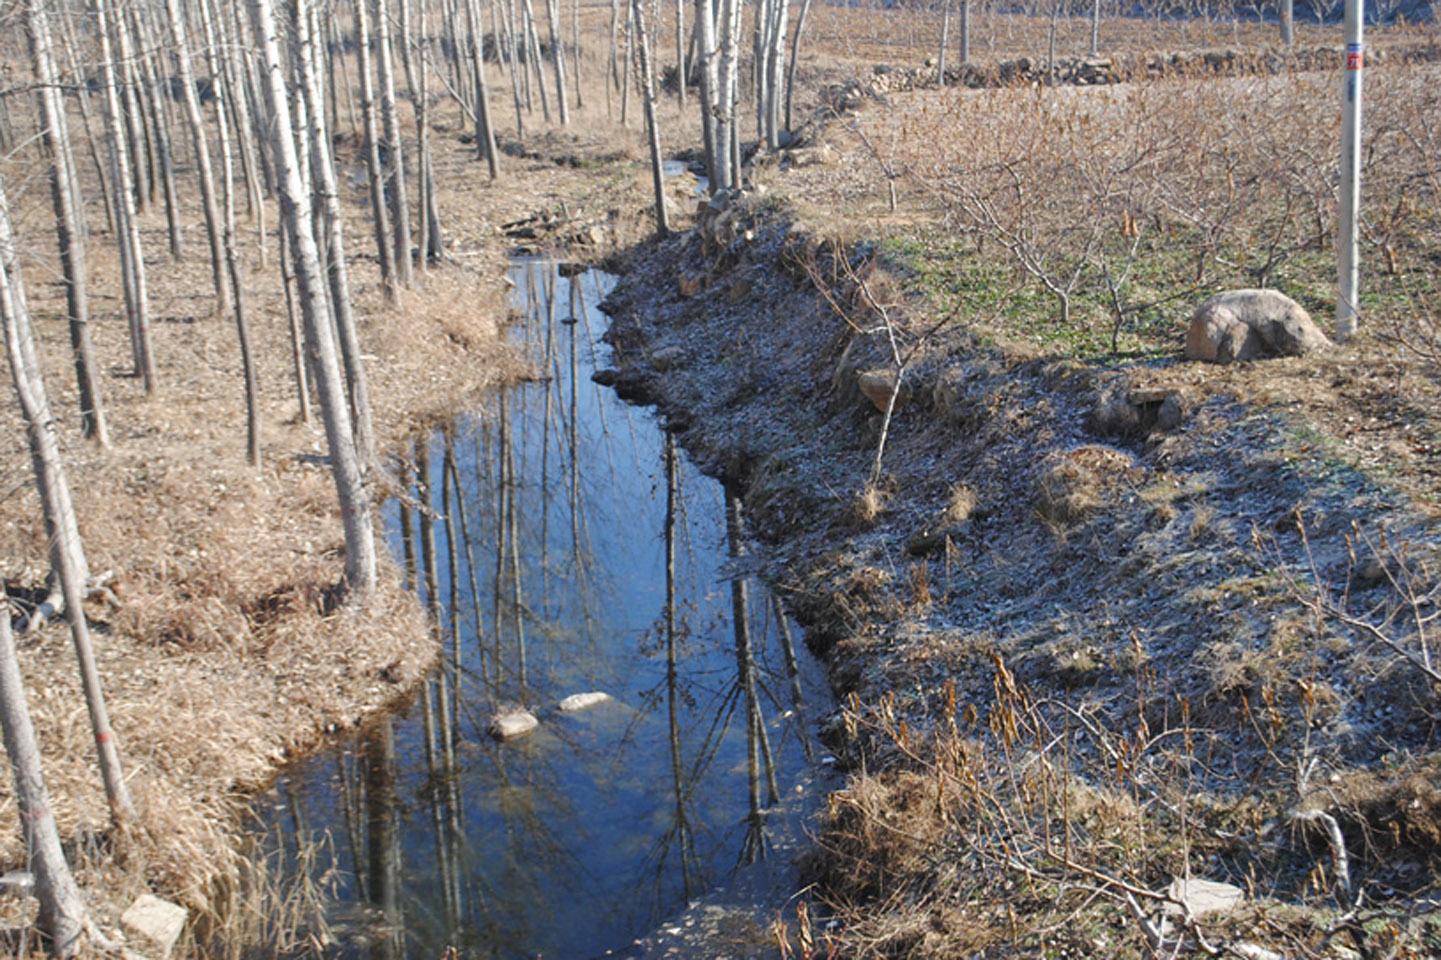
[
  {"x": 878, "y": 385},
  {"x": 159, "y": 921},
  {"x": 689, "y": 284},
  {"x": 666, "y": 358},
  {"x": 1174, "y": 410},
  {"x": 504, "y": 726},
  {"x": 1205, "y": 898},
  {"x": 739, "y": 290},
  {"x": 1369, "y": 573},
  {"x": 583, "y": 701}
]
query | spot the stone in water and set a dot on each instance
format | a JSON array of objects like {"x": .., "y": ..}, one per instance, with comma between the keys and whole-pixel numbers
[
  {"x": 503, "y": 726},
  {"x": 583, "y": 701}
]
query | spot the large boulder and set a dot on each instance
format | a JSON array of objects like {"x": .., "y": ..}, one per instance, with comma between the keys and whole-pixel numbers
[{"x": 1250, "y": 324}]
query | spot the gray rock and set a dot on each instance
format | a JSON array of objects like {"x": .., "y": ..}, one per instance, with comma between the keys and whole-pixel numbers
[
  {"x": 1174, "y": 410},
  {"x": 157, "y": 920},
  {"x": 515, "y": 723},
  {"x": 1248, "y": 324}
]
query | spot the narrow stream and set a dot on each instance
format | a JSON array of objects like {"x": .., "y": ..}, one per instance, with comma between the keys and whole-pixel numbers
[{"x": 575, "y": 550}]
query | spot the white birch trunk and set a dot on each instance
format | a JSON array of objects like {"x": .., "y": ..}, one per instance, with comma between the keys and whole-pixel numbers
[{"x": 379, "y": 213}]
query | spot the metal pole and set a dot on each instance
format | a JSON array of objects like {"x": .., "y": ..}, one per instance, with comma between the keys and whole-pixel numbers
[{"x": 1347, "y": 251}]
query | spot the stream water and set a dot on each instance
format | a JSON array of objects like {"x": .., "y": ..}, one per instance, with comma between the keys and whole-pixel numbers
[{"x": 574, "y": 550}]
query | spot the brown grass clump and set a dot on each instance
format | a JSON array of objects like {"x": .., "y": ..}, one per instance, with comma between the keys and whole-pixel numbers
[
  {"x": 961, "y": 505},
  {"x": 868, "y": 506},
  {"x": 1072, "y": 485}
]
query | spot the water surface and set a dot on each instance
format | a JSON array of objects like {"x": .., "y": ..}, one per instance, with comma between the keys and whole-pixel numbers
[{"x": 573, "y": 550}]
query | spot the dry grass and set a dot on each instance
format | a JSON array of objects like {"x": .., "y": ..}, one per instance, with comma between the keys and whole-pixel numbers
[{"x": 224, "y": 660}]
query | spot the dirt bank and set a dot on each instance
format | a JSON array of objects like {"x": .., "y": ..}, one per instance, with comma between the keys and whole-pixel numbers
[{"x": 1086, "y": 647}]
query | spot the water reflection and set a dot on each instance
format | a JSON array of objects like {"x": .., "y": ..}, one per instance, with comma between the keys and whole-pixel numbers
[{"x": 562, "y": 545}]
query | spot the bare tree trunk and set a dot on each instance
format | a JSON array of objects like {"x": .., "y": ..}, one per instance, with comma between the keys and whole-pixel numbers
[
  {"x": 337, "y": 273},
  {"x": 557, "y": 58},
  {"x": 132, "y": 260},
  {"x": 682, "y": 77},
  {"x": 575, "y": 51},
  {"x": 1095, "y": 27},
  {"x": 730, "y": 68},
  {"x": 378, "y": 209},
  {"x": 515, "y": 45},
  {"x": 134, "y": 121},
  {"x": 716, "y": 156},
  {"x": 151, "y": 94},
  {"x": 484, "y": 130},
  {"x": 70, "y": 232},
  {"x": 297, "y": 336},
  {"x": 613, "y": 69},
  {"x": 360, "y": 562},
  {"x": 532, "y": 59},
  {"x": 775, "y": 73},
  {"x": 218, "y": 86},
  {"x": 191, "y": 101},
  {"x": 62, "y": 910},
  {"x": 82, "y": 97},
  {"x": 235, "y": 74},
  {"x": 399, "y": 202},
  {"x": 662, "y": 219},
  {"x": 627, "y": 58},
  {"x": 1288, "y": 23},
  {"x": 965, "y": 51},
  {"x": 945, "y": 39},
  {"x": 67, "y": 555}
]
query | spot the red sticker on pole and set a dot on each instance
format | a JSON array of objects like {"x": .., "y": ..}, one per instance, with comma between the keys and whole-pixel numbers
[{"x": 1355, "y": 58}]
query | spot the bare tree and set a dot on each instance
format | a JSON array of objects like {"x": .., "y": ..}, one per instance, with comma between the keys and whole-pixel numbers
[
  {"x": 67, "y": 555},
  {"x": 662, "y": 220},
  {"x": 484, "y": 130},
  {"x": 557, "y": 59},
  {"x": 69, "y": 230},
  {"x": 399, "y": 202},
  {"x": 132, "y": 260},
  {"x": 62, "y": 911},
  {"x": 374, "y": 170},
  {"x": 795, "y": 59},
  {"x": 201, "y": 149},
  {"x": 331, "y": 227},
  {"x": 360, "y": 562}
]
